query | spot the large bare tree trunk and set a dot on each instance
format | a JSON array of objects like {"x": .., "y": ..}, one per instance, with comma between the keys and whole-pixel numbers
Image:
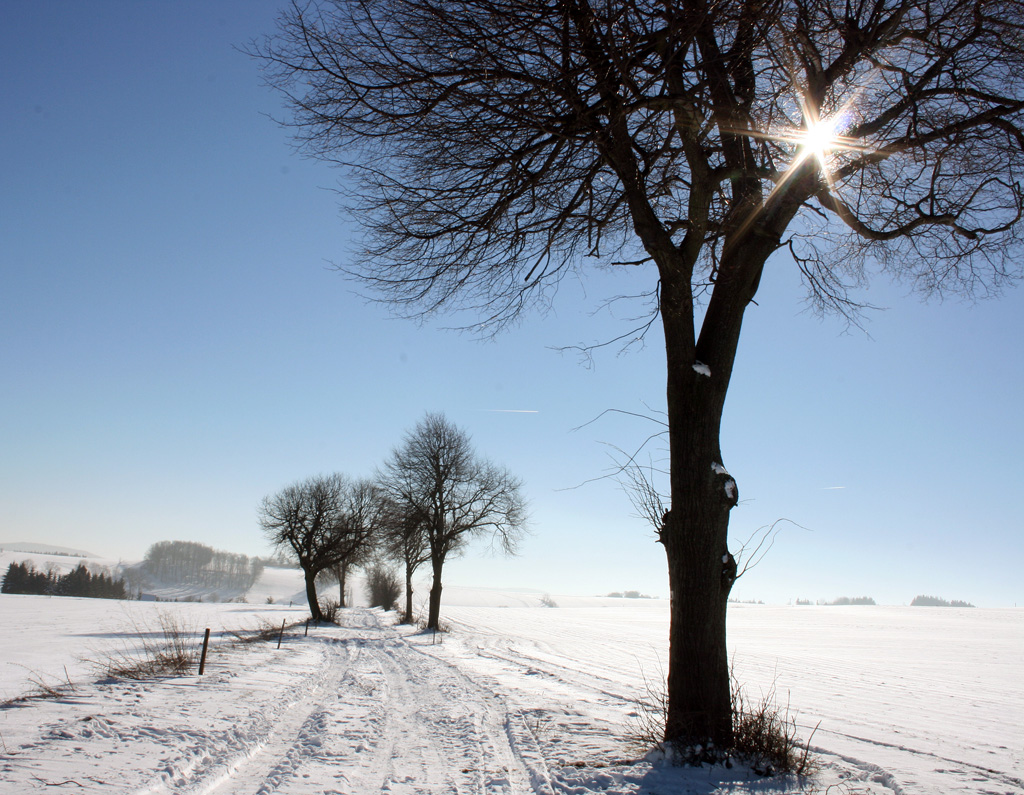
[
  {"x": 407, "y": 619},
  {"x": 434, "y": 610},
  {"x": 695, "y": 530},
  {"x": 314, "y": 604},
  {"x": 342, "y": 572},
  {"x": 701, "y": 572}
]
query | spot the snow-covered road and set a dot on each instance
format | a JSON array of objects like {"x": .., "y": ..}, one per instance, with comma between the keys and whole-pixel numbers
[{"x": 362, "y": 708}]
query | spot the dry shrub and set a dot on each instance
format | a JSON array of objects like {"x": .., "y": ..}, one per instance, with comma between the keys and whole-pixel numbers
[
  {"x": 265, "y": 629},
  {"x": 765, "y": 735},
  {"x": 383, "y": 586},
  {"x": 329, "y": 610},
  {"x": 174, "y": 648}
]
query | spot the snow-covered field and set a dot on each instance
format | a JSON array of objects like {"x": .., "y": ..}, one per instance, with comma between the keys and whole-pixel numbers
[{"x": 514, "y": 699}]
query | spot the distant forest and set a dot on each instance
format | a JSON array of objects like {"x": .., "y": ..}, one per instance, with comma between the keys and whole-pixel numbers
[
  {"x": 191, "y": 563},
  {"x": 842, "y": 600},
  {"x": 25, "y": 579},
  {"x": 853, "y": 600},
  {"x": 934, "y": 601}
]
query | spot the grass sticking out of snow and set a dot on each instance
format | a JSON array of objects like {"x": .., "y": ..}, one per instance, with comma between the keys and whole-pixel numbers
[
  {"x": 765, "y": 736},
  {"x": 170, "y": 648},
  {"x": 765, "y": 733}
]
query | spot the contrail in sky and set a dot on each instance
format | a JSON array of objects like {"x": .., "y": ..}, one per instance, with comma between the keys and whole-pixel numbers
[
  {"x": 512, "y": 411},
  {"x": 832, "y": 488}
]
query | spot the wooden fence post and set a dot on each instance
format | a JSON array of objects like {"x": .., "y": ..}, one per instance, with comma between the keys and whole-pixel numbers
[
  {"x": 279, "y": 637},
  {"x": 206, "y": 645}
]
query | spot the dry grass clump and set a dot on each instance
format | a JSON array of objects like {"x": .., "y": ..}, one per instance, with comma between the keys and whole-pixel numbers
[
  {"x": 43, "y": 686},
  {"x": 264, "y": 630},
  {"x": 329, "y": 609},
  {"x": 645, "y": 728},
  {"x": 172, "y": 648},
  {"x": 442, "y": 627},
  {"x": 764, "y": 734}
]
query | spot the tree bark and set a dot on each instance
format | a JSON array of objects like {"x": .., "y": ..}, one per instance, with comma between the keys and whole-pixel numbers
[
  {"x": 701, "y": 571},
  {"x": 314, "y": 604},
  {"x": 695, "y": 529},
  {"x": 408, "y": 595},
  {"x": 434, "y": 612},
  {"x": 342, "y": 572}
]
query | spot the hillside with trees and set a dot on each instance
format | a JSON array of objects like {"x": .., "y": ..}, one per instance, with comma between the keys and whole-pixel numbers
[
  {"x": 195, "y": 564},
  {"x": 24, "y": 578}
]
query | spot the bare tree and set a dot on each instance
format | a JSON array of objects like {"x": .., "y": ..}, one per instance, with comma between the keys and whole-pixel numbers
[
  {"x": 404, "y": 539},
  {"x": 452, "y": 495},
  {"x": 326, "y": 521},
  {"x": 338, "y": 575},
  {"x": 497, "y": 145},
  {"x": 363, "y": 504}
]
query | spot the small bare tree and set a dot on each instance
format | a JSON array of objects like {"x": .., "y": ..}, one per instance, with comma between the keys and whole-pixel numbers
[
  {"x": 338, "y": 575},
  {"x": 452, "y": 495},
  {"x": 404, "y": 539},
  {"x": 326, "y": 521},
  {"x": 363, "y": 503}
]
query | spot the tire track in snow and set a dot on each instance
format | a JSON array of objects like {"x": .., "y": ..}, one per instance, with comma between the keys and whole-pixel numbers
[
  {"x": 966, "y": 773},
  {"x": 349, "y": 710},
  {"x": 441, "y": 731},
  {"x": 291, "y": 738},
  {"x": 381, "y": 716},
  {"x": 276, "y": 728}
]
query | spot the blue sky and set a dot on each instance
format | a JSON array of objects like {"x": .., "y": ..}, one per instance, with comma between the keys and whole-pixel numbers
[{"x": 176, "y": 345}]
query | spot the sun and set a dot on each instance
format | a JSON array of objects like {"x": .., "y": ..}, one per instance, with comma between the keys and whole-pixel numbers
[
  {"x": 816, "y": 147},
  {"x": 820, "y": 138}
]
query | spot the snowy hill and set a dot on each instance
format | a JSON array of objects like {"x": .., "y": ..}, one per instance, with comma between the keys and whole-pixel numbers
[
  {"x": 282, "y": 585},
  {"x": 279, "y": 584},
  {"x": 31, "y": 547},
  {"x": 517, "y": 698},
  {"x": 514, "y": 700}
]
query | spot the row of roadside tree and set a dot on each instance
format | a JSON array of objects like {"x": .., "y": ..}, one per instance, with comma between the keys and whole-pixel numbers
[{"x": 424, "y": 504}]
